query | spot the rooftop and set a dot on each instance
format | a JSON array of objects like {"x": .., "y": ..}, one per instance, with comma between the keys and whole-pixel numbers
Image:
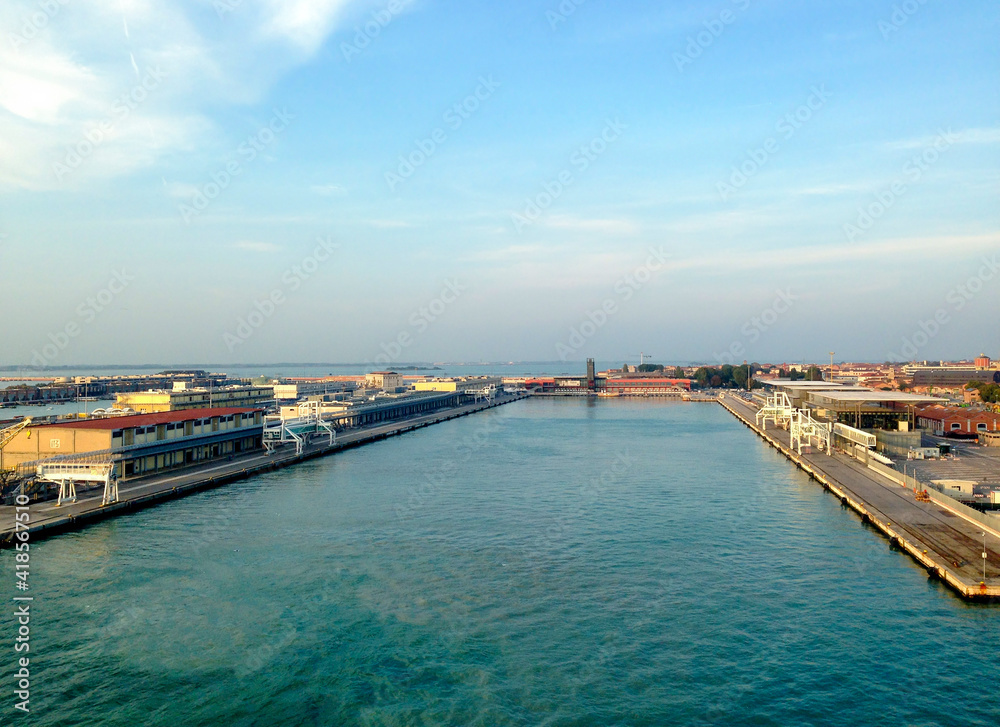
[
  {"x": 145, "y": 420},
  {"x": 855, "y": 396}
]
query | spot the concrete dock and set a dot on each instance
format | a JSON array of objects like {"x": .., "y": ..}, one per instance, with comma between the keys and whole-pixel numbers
[
  {"x": 946, "y": 544},
  {"x": 47, "y": 519}
]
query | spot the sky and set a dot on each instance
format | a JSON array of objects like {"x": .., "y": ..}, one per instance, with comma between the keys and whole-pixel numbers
[{"x": 343, "y": 180}]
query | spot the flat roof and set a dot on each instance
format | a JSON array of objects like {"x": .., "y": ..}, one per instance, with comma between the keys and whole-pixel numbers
[
  {"x": 800, "y": 384},
  {"x": 859, "y": 397},
  {"x": 145, "y": 420}
]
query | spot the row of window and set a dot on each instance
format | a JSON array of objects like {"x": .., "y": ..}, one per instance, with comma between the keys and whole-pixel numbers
[{"x": 180, "y": 425}]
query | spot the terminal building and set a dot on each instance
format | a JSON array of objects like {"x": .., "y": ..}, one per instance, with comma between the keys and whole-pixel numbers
[
  {"x": 646, "y": 386},
  {"x": 374, "y": 410},
  {"x": 141, "y": 444},
  {"x": 388, "y": 381},
  {"x": 459, "y": 384},
  {"x": 182, "y": 397},
  {"x": 301, "y": 389}
]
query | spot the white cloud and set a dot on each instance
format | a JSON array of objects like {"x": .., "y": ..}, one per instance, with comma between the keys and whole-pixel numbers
[
  {"x": 329, "y": 190},
  {"x": 962, "y": 136},
  {"x": 390, "y": 224},
  {"x": 305, "y": 23},
  {"x": 568, "y": 222},
  {"x": 66, "y": 77},
  {"x": 254, "y": 246}
]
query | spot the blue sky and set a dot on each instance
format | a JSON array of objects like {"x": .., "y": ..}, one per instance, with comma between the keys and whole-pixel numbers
[{"x": 498, "y": 181}]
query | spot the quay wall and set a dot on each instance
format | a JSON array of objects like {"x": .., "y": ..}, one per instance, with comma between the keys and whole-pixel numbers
[
  {"x": 137, "y": 502},
  {"x": 940, "y": 570}
]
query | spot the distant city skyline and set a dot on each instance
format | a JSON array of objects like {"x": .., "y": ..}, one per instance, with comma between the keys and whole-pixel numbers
[{"x": 345, "y": 180}]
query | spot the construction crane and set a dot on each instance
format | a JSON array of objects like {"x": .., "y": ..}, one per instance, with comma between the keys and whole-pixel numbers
[{"x": 643, "y": 357}]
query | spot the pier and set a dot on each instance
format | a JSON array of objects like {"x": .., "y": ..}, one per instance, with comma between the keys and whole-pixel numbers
[
  {"x": 943, "y": 540},
  {"x": 46, "y": 518}
]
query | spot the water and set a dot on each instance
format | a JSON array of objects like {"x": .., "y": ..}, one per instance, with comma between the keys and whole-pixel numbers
[
  {"x": 512, "y": 368},
  {"x": 549, "y": 562},
  {"x": 285, "y": 370}
]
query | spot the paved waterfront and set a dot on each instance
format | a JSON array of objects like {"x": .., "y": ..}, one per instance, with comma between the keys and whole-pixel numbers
[{"x": 951, "y": 541}]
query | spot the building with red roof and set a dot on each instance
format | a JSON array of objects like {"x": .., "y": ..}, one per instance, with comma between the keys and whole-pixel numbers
[{"x": 142, "y": 444}]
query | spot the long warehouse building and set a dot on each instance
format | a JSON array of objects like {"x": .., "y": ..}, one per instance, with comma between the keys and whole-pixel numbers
[{"x": 142, "y": 444}]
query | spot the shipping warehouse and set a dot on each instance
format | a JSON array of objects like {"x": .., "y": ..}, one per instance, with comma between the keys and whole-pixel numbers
[{"x": 142, "y": 444}]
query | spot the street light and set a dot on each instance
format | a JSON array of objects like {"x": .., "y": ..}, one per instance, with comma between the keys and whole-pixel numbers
[{"x": 984, "y": 557}]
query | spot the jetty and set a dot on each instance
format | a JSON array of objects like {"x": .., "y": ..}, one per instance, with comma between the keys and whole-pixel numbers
[
  {"x": 930, "y": 527},
  {"x": 45, "y": 518}
]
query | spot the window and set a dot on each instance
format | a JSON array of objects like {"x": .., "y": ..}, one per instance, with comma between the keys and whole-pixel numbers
[
  {"x": 981, "y": 427},
  {"x": 955, "y": 426}
]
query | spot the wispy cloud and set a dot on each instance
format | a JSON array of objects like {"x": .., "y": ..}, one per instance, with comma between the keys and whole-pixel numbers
[
  {"x": 70, "y": 82},
  {"x": 612, "y": 226},
  {"x": 254, "y": 246},
  {"x": 964, "y": 136},
  {"x": 390, "y": 224},
  {"x": 329, "y": 190},
  {"x": 913, "y": 249}
]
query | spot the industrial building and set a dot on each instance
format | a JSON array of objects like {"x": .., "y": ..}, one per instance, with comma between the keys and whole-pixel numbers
[
  {"x": 302, "y": 389},
  {"x": 957, "y": 421},
  {"x": 182, "y": 397},
  {"x": 141, "y": 443},
  {"x": 856, "y": 406},
  {"x": 460, "y": 384},
  {"x": 388, "y": 381},
  {"x": 953, "y": 376},
  {"x": 646, "y": 386},
  {"x": 382, "y": 408}
]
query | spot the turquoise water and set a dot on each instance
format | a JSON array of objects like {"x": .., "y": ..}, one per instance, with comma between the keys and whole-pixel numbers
[{"x": 546, "y": 563}]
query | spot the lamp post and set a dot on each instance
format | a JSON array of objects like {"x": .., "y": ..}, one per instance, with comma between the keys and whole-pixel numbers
[{"x": 984, "y": 557}]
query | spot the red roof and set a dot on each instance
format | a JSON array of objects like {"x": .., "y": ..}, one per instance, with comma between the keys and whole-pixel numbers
[{"x": 145, "y": 420}]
